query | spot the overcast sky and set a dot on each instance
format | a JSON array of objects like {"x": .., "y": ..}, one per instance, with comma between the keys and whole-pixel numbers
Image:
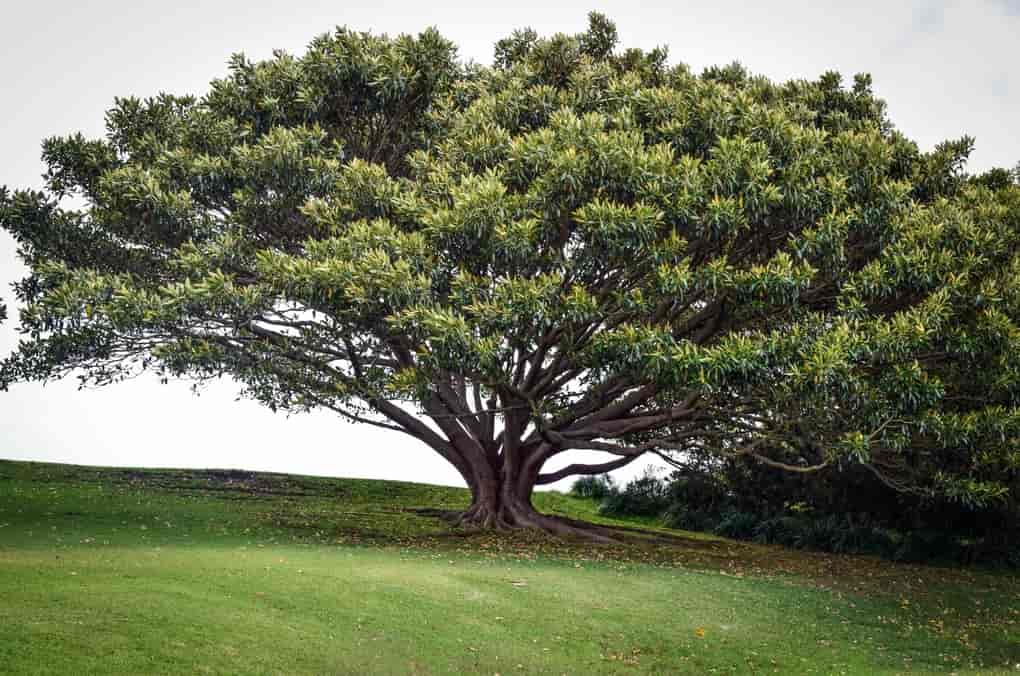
[{"x": 945, "y": 68}]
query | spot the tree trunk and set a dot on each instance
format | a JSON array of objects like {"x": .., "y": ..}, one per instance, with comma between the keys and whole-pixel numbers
[
  {"x": 502, "y": 501},
  {"x": 500, "y": 504},
  {"x": 503, "y": 478}
]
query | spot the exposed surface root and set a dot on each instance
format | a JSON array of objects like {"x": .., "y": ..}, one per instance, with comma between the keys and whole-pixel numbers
[{"x": 480, "y": 518}]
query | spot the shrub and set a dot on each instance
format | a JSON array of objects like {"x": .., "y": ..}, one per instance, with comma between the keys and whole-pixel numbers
[
  {"x": 595, "y": 487},
  {"x": 701, "y": 491},
  {"x": 866, "y": 540},
  {"x": 682, "y": 517},
  {"x": 825, "y": 534},
  {"x": 922, "y": 546},
  {"x": 737, "y": 525},
  {"x": 781, "y": 530},
  {"x": 1001, "y": 549},
  {"x": 644, "y": 496}
]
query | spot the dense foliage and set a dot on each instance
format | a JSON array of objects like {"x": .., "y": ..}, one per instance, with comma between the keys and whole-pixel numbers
[
  {"x": 843, "y": 514},
  {"x": 579, "y": 247},
  {"x": 593, "y": 487},
  {"x": 646, "y": 495}
]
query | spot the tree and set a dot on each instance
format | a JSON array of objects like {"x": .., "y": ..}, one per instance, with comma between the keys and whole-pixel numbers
[{"x": 579, "y": 247}]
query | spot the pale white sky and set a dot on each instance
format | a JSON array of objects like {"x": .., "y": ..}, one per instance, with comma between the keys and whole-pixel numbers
[{"x": 945, "y": 68}]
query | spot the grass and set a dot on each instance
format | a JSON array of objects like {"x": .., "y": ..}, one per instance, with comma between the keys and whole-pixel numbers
[{"x": 170, "y": 571}]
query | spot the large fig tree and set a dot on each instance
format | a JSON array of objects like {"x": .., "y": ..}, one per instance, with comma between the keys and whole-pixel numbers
[{"x": 578, "y": 247}]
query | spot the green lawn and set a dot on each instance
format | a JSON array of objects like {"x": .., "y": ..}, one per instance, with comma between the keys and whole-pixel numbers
[{"x": 150, "y": 571}]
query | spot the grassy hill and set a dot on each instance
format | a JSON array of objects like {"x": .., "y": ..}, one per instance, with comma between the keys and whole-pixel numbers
[{"x": 179, "y": 571}]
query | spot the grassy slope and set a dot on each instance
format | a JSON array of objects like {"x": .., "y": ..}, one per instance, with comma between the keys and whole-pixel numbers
[{"x": 105, "y": 570}]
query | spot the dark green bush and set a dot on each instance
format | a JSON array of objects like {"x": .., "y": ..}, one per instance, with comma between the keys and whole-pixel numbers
[
  {"x": 701, "y": 491},
  {"x": 829, "y": 534},
  {"x": 923, "y": 546},
  {"x": 845, "y": 511},
  {"x": 682, "y": 517},
  {"x": 1003, "y": 549},
  {"x": 595, "y": 487},
  {"x": 781, "y": 530},
  {"x": 737, "y": 525},
  {"x": 863, "y": 540},
  {"x": 645, "y": 496},
  {"x": 704, "y": 499}
]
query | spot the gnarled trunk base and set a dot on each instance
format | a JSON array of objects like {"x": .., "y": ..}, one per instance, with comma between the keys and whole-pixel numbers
[{"x": 505, "y": 511}]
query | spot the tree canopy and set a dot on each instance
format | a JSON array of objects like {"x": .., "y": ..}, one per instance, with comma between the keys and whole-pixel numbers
[{"x": 577, "y": 247}]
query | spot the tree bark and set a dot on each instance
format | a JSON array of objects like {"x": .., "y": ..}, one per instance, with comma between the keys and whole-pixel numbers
[
  {"x": 497, "y": 505},
  {"x": 501, "y": 496},
  {"x": 506, "y": 505},
  {"x": 501, "y": 484},
  {"x": 503, "y": 470}
]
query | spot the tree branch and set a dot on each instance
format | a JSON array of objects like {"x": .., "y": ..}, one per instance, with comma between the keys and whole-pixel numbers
[{"x": 571, "y": 470}]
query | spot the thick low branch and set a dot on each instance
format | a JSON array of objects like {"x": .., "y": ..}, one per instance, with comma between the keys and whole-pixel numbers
[
  {"x": 571, "y": 470},
  {"x": 620, "y": 427}
]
